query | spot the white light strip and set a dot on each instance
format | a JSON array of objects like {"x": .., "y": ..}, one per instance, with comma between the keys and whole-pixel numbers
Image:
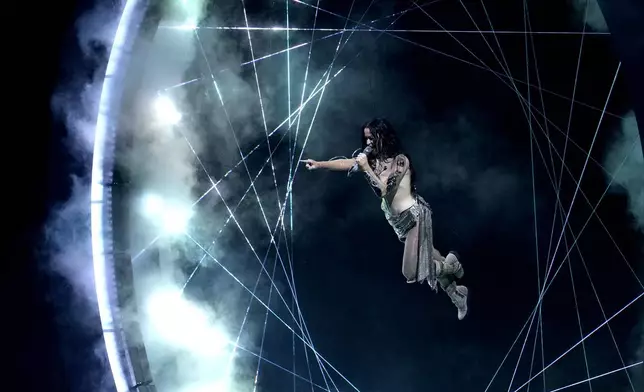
[{"x": 98, "y": 195}]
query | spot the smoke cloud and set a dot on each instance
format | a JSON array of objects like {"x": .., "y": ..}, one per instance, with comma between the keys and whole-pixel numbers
[
  {"x": 178, "y": 161},
  {"x": 67, "y": 236},
  {"x": 625, "y": 151},
  {"x": 163, "y": 163},
  {"x": 594, "y": 17},
  {"x": 626, "y": 148}
]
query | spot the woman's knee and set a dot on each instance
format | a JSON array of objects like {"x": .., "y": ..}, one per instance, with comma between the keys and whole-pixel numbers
[{"x": 409, "y": 274}]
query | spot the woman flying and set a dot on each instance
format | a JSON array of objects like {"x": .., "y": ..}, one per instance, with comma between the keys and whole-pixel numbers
[{"x": 392, "y": 175}]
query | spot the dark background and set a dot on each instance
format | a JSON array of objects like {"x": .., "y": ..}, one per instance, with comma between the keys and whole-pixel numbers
[{"x": 361, "y": 314}]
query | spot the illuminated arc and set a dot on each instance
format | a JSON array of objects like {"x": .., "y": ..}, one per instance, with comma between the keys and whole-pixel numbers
[{"x": 100, "y": 194}]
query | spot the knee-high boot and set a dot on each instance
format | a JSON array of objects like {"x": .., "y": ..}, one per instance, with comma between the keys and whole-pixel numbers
[
  {"x": 446, "y": 272},
  {"x": 449, "y": 266},
  {"x": 458, "y": 295}
]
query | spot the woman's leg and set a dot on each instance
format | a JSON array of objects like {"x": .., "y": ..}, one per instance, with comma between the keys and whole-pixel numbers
[
  {"x": 447, "y": 271},
  {"x": 458, "y": 295},
  {"x": 448, "y": 266},
  {"x": 410, "y": 256}
]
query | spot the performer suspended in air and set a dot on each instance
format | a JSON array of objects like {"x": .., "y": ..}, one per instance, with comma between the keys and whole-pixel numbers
[{"x": 389, "y": 170}]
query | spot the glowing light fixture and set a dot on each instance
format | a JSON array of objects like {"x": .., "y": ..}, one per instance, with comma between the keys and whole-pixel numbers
[
  {"x": 183, "y": 324},
  {"x": 190, "y": 24},
  {"x": 171, "y": 218},
  {"x": 166, "y": 111},
  {"x": 174, "y": 220}
]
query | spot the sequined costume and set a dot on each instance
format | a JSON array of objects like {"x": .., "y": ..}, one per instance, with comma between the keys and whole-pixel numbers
[
  {"x": 418, "y": 258},
  {"x": 421, "y": 261},
  {"x": 390, "y": 172}
]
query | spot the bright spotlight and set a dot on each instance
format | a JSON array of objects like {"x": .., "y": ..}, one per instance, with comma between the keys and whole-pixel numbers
[
  {"x": 172, "y": 218},
  {"x": 183, "y": 324},
  {"x": 166, "y": 111},
  {"x": 152, "y": 205},
  {"x": 187, "y": 26},
  {"x": 190, "y": 24}
]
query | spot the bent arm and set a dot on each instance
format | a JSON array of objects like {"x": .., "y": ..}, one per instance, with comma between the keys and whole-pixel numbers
[
  {"x": 337, "y": 164},
  {"x": 393, "y": 181},
  {"x": 375, "y": 181}
]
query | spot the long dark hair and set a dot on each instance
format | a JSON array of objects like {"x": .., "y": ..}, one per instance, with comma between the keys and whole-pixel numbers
[{"x": 386, "y": 144}]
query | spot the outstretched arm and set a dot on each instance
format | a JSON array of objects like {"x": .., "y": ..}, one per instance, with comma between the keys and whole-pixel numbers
[
  {"x": 338, "y": 164},
  {"x": 335, "y": 165}
]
